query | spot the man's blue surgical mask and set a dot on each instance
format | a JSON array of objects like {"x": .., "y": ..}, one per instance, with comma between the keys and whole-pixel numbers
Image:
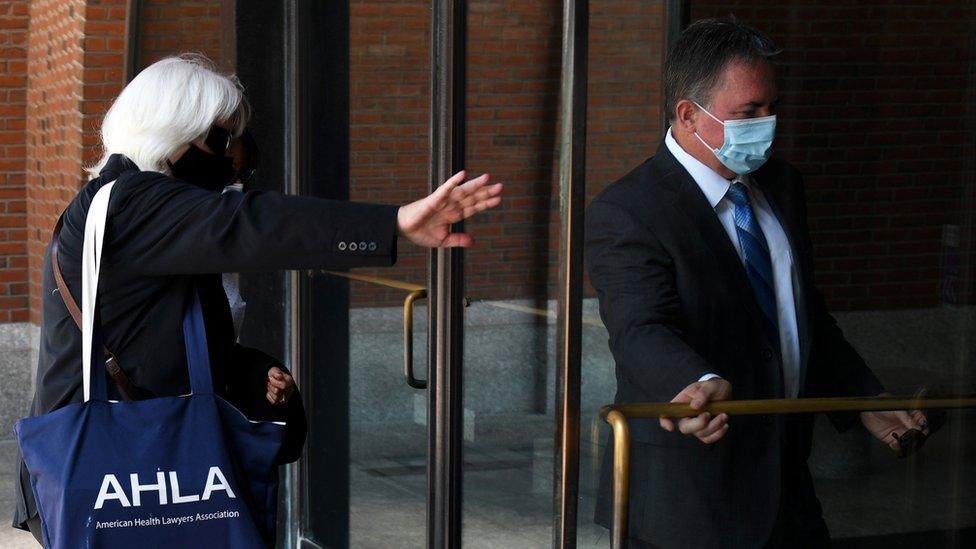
[{"x": 747, "y": 142}]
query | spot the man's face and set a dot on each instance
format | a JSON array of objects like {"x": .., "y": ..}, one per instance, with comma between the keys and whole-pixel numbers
[{"x": 746, "y": 90}]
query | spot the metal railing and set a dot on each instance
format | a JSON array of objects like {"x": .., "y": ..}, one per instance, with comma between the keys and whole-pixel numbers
[{"x": 617, "y": 415}]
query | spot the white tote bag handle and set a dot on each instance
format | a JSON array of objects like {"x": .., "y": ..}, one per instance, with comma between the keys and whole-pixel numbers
[{"x": 91, "y": 259}]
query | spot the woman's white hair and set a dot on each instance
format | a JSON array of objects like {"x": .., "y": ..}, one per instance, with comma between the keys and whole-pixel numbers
[{"x": 170, "y": 104}]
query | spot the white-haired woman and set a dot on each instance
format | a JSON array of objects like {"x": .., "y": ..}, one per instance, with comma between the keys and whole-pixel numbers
[{"x": 169, "y": 140}]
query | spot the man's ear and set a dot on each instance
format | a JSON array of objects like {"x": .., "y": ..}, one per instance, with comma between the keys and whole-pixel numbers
[{"x": 686, "y": 116}]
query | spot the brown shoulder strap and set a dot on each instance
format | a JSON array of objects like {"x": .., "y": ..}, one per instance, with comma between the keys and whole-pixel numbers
[
  {"x": 69, "y": 301},
  {"x": 125, "y": 386}
]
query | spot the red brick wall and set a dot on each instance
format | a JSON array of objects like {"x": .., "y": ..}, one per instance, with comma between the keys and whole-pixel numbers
[
  {"x": 104, "y": 73},
  {"x": 514, "y": 66},
  {"x": 75, "y": 66},
  {"x": 512, "y": 105},
  {"x": 170, "y": 28},
  {"x": 624, "y": 88},
  {"x": 877, "y": 114},
  {"x": 389, "y": 118},
  {"x": 512, "y": 113},
  {"x": 14, "y": 306},
  {"x": 624, "y": 94},
  {"x": 55, "y": 61},
  {"x": 75, "y": 60}
]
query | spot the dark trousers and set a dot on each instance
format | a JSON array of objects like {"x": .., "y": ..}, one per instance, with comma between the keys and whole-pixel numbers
[
  {"x": 799, "y": 521},
  {"x": 785, "y": 535}
]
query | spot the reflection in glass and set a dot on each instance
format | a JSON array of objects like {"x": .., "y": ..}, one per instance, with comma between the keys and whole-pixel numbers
[
  {"x": 876, "y": 115},
  {"x": 388, "y": 130}
]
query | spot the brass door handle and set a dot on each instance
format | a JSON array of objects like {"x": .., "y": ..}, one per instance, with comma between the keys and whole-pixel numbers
[
  {"x": 617, "y": 416},
  {"x": 408, "y": 339},
  {"x": 416, "y": 292}
]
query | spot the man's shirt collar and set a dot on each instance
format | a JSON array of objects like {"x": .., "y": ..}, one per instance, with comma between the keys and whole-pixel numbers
[{"x": 713, "y": 185}]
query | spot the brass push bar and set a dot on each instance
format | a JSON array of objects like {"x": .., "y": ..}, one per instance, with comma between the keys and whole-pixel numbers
[
  {"x": 378, "y": 280},
  {"x": 534, "y": 311},
  {"x": 408, "y": 339},
  {"x": 416, "y": 292},
  {"x": 419, "y": 292},
  {"x": 617, "y": 416}
]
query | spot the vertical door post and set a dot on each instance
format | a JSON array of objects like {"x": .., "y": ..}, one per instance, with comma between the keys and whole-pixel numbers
[
  {"x": 572, "y": 198},
  {"x": 446, "y": 284}
]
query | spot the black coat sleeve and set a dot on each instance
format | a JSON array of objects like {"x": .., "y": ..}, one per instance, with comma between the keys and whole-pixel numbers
[
  {"x": 168, "y": 227},
  {"x": 247, "y": 390},
  {"x": 836, "y": 368},
  {"x": 635, "y": 283}
]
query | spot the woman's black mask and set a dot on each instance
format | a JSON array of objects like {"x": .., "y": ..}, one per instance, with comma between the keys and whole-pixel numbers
[{"x": 209, "y": 171}]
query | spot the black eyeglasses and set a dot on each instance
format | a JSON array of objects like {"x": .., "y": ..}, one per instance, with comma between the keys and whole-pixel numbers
[{"x": 218, "y": 140}]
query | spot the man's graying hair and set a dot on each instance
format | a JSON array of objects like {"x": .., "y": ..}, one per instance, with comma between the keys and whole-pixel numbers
[{"x": 698, "y": 58}]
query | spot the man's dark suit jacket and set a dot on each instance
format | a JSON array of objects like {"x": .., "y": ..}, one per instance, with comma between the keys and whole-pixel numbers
[
  {"x": 677, "y": 304},
  {"x": 164, "y": 238}
]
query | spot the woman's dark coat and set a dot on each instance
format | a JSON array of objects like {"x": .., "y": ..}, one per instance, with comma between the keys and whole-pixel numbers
[{"x": 165, "y": 237}]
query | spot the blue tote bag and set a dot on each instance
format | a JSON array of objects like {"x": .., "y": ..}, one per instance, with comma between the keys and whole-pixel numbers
[{"x": 185, "y": 471}]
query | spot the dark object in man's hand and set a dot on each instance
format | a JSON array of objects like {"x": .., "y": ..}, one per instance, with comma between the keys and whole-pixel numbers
[{"x": 912, "y": 440}]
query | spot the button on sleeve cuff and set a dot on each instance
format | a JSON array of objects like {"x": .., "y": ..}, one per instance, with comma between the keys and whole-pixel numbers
[{"x": 370, "y": 240}]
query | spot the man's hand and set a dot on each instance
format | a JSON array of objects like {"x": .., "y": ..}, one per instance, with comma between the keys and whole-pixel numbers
[
  {"x": 883, "y": 425},
  {"x": 280, "y": 386},
  {"x": 427, "y": 222},
  {"x": 706, "y": 428}
]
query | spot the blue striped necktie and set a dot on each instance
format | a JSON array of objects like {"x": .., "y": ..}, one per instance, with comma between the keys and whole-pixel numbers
[{"x": 755, "y": 252}]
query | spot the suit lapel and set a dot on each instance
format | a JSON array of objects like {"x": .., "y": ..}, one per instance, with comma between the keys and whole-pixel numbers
[
  {"x": 773, "y": 191},
  {"x": 692, "y": 201}
]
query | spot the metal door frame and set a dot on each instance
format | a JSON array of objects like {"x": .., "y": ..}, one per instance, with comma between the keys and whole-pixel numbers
[
  {"x": 446, "y": 284},
  {"x": 569, "y": 318},
  {"x": 572, "y": 199},
  {"x": 445, "y": 410}
]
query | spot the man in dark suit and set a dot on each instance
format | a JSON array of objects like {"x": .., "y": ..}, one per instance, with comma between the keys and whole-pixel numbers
[{"x": 702, "y": 261}]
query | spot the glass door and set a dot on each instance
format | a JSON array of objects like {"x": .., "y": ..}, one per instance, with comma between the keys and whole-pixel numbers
[
  {"x": 479, "y": 426},
  {"x": 876, "y": 114},
  {"x": 456, "y": 425},
  {"x": 361, "y": 117},
  {"x": 439, "y": 371},
  {"x": 435, "y": 388},
  {"x": 431, "y": 383},
  {"x": 375, "y": 119}
]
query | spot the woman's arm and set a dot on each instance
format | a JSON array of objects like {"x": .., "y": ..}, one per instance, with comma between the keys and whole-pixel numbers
[
  {"x": 177, "y": 228},
  {"x": 171, "y": 227}
]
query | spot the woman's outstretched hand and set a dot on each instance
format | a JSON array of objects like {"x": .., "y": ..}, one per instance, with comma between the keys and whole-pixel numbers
[{"x": 427, "y": 222}]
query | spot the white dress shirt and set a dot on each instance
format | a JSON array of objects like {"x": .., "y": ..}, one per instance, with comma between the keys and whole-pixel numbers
[
  {"x": 232, "y": 284},
  {"x": 715, "y": 187}
]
